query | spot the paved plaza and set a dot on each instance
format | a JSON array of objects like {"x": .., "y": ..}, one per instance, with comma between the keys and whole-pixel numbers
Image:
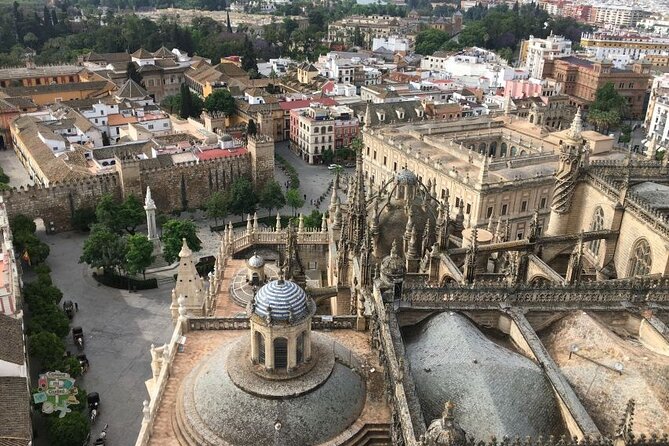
[
  {"x": 119, "y": 328},
  {"x": 18, "y": 176}
]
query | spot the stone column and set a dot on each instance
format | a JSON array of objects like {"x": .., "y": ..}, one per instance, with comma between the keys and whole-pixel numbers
[
  {"x": 292, "y": 351},
  {"x": 269, "y": 352},
  {"x": 307, "y": 343},
  {"x": 150, "y": 208}
]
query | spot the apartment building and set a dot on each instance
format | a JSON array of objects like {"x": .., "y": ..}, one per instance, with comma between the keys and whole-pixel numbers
[
  {"x": 623, "y": 49},
  {"x": 315, "y": 129},
  {"x": 534, "y": 51}
]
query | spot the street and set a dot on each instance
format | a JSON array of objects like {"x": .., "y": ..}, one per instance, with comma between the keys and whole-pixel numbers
[{"x": 119, "y": 327}]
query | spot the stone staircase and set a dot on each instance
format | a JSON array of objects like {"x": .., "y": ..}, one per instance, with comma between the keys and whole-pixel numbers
[
  {"x": 162, "y": 429},
  {"x": 371, "y": 434}
]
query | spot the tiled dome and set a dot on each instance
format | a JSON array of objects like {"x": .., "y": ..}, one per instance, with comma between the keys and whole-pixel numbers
[
  {"x": 256, "y": 261},
  {"x": 283, "y": 297}
]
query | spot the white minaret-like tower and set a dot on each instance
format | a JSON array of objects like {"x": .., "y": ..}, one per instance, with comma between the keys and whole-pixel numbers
[{"x": 150, "y": 208}]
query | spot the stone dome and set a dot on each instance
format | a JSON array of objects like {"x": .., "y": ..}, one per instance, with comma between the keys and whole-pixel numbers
[
  {"x": 497, "y": 391},
  {"x": 393, "y": 265},
  {"x": 405, "y": 176},
  {"x": 215, "y": 410},
  {"x": 283, "y": 298},
  {"x": 256, "y": 261}
]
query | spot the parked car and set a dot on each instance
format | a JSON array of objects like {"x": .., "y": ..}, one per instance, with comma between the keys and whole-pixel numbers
[
  {"x": 334, "y": 166},
  {"x": 349, "y": 165}
]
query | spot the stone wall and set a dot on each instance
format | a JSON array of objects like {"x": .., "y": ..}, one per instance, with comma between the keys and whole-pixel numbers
[
  {"x": 56, "y": 204},
  {"x": 174, "y": 188}
]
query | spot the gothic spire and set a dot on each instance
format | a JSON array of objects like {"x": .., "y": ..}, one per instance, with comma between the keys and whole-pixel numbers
[{"x": 576, "y": 125}]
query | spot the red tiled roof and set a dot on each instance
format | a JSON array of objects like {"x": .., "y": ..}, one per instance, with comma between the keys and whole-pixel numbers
[
  {"x": 219, "y": 153},
  {"x": 292, "y": 105}
]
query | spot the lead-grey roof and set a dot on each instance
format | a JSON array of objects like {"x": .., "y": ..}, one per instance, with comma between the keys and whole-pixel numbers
[
  {"x": 657, "y": 195},
  {"x": 497, "y": 392},
  {"x": 243, "y": 419},
  {"x": 11, "y": 336}
]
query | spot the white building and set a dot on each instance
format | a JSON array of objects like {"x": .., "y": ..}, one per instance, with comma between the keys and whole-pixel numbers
[
  {"x": 474, "y": 67},
  {"x": 393, "y": 44},
  {"x": 617, "y": 16},
  {"x": 657, "y": 113},
  {"x": 623, "y": 49},
  {"x": 539, "y": 49}
]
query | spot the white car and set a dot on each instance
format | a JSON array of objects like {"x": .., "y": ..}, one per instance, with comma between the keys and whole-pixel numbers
[{"x": 334, "y": 166}]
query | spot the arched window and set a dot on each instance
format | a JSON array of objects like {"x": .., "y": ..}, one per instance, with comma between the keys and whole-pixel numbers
[
  {"x": 597, "y": 224},
  {"x": 523, "y": 153},
  {"x": 260, "y": 345},
  {"x": 280, "y": 353},
  {"x": 482, "y": 147},
  {"x": 514, "y": 151},
  {"x": 503, "y": 150},
  {"x": 531, "y": 119},
  {"x": 640, "y": 259},
  {"x": 492, "y": 149},
  {"x": 299, "y": 348}
]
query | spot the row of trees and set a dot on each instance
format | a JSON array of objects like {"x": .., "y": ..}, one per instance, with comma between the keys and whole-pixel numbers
[{"x": 47, "y": 327}]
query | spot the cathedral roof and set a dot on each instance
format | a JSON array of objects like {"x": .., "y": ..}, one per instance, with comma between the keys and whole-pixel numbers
[
  {"x": 283, "y": 298},
  {"x": 220, "y": 411},
  {"x": 498, "y": 392}
]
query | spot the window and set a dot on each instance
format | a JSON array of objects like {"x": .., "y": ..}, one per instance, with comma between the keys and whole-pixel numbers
[
  {"x": 395, "y": 167},
  {"x": 469, "y": 208},
  {"x": 280, "y": 353},
  {"x": 385, "y": 160},
  {"x": 523, "y": 206},
  {"x": 597, "y": 224},
  {"x": 457, "y": 202},
  {"x": 260, "y": 345},
  {"x": 503, "y": 150},
  {"x": 375, "y": 155},
  {"x": 640, "y": 259},
  {"x": 519, "y": 235},
  {"x": 543, "y": 203},
  {"x": 504, "y": 208},
  {"x": 299, "y": 348},
  {"x": 488, "y": 213}
]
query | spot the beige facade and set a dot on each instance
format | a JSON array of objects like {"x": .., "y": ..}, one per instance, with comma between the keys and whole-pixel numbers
[{"x": 489, "y": 167}]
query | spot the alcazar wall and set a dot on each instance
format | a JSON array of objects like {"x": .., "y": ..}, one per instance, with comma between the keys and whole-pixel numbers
[{"x": 174, "y": 188}]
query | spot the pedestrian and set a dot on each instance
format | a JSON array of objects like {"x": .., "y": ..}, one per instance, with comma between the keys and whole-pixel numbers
[{"x": 76, "y": 307}]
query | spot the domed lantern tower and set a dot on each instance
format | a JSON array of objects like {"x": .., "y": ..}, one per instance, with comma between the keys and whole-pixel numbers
[{"x": 281, "y": 326}]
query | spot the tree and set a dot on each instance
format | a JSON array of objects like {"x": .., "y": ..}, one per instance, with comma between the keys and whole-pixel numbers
[
  {"x": 4, "y": 178},
  {"x": 49, "y": 318},
  {"x": 139, "y": 254},
  {"x": 47, "y": 348},
  {"x": 251, "y": 128},
  {"x": 174, "y": 231},
  {"x": 220, "y": 101},
  {"x": 83, "y": 218},
  {"x": 217, "y": 206},
  {"x": 186, "y": 102},
  {"x": 241, "y": 197},
  {"x": 70, "y": 430},
  {"x": 608, "y": 109},
  {"x": 430, "y": 40},
  {"x": 120, "y": 218},
  {"x": 313, "y": 220},
  {"x": 131, "y": 214},
  {"x": 327, "y": 156},
  {"x": 271, "y": 197},
  {"x": 294, "y": 200},
  {"x": 133, "y": 74},
  {"x": 227, "y": 20},
  {"x": 22, "y": 223},
  {"x": 103, "y": 249}
]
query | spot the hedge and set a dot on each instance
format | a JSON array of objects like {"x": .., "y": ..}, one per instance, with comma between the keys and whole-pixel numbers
[{"x": 125, "y": 283}]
